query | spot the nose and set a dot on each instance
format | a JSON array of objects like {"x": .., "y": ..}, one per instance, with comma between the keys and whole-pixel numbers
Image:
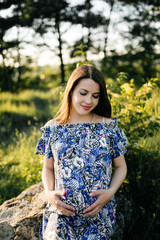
[{"x": 88, "y": 99}]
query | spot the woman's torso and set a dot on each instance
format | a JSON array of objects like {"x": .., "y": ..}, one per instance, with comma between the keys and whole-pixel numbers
[{"x": 82, "y": 161}]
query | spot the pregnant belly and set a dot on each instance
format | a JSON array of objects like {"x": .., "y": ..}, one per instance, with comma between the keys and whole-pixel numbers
[{"x": 78, "y": 199}]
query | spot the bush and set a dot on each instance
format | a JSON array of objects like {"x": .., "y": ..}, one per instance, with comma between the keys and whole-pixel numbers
[{"x": 141, "y": 190}]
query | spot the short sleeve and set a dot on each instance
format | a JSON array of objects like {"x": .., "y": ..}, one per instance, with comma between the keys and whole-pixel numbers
[
  {"x": 120, "y": 142},
  {"x": 43, "y": 146}
]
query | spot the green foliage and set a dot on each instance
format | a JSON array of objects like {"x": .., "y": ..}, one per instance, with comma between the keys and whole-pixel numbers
[
  {"x": 31, "y": 78},
  {"x": 81, "y": 51},
  {"x": 139, "y": 113}
]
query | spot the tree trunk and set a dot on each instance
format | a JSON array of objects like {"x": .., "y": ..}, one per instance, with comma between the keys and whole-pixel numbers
[
  {"x": 6, "y": 77},
  {"x": 106, "y": 27},
  {"x": 19, "y": 68},
  {"x": 60, "y": 53}
]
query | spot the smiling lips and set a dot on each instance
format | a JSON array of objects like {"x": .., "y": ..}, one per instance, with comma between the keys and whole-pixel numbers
[{"x": 85, "y": 107}]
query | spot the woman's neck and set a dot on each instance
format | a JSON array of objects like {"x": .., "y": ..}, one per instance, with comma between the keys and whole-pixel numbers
[{"x": 81, "y": 119}]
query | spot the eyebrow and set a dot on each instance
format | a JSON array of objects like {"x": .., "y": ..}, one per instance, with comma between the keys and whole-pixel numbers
[{"x": 87, "y": 91}]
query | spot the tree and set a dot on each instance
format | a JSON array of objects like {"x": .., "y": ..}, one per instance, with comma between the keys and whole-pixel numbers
[
  {"x": 106, "y": 25},
  {"x": 17, "y": 18},
  {"x": 91, "y": 21},
  {"x": 144, "y": 35},
  {"x": 49, "y": 16},
  {"x": 6, "y": 79}
]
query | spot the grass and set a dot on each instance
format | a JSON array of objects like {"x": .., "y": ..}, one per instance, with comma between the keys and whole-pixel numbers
[
  {"x": 30, "y": 107},
  {"x": 20, "y": 167},
  {"x": 21, "y": 116}
]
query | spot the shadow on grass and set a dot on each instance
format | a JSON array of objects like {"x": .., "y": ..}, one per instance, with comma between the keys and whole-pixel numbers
[{"x": 9, "y": 121}]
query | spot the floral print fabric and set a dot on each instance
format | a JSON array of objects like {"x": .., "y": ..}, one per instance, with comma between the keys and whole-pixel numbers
[{"x": 83, "y": 156}]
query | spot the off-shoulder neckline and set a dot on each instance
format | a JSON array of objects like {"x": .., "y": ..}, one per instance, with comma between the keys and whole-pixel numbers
[
  {"x": 113, "y": 120},
  {"x": 88, "y": 123}
]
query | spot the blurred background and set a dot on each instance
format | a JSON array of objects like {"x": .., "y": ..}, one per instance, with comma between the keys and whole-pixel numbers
[{"x": 41, "y": 42}]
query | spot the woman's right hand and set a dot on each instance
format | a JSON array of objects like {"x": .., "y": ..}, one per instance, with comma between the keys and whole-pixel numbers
[{"x": 54, "y": 197}]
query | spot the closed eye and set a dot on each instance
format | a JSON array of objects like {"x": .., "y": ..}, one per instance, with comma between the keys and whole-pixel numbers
[
  {"x": 82, "y": 93},
  {"x": 97, "y": 96}
]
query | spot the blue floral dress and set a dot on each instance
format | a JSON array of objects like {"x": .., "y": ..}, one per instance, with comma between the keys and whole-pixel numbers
[{"x": 83, "y": 156}]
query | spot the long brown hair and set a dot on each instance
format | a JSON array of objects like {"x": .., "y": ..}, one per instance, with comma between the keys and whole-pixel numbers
[{"x": 85, "y": 71}]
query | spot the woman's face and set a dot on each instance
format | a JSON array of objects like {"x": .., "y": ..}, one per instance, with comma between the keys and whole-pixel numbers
[{"x": 85, "y": 97}]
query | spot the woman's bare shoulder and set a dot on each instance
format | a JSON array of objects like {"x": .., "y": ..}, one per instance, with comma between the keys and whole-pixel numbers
[
  {"x": 105, "y": 119},
  {"x": 50, "y": 123},
  {"x": 101, "y": 119}
]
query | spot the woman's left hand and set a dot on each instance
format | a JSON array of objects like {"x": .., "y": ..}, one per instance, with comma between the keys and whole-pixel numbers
[{"x": 103, "y": 196}]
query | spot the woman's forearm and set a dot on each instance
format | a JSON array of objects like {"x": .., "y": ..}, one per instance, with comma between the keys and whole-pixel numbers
[
  {"x": 105, "y": 195},
  {"x": 54, "y": 196},
  {"x": 48, "y": 179},
  {"x": 118, "y": 177}
]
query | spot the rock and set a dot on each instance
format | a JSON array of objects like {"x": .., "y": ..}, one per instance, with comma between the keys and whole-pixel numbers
[
  {"x": 6, "y": 231},
  {"x": 20, "y": 217}
]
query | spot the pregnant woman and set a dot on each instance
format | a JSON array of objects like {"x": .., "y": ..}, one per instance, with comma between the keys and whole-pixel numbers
[{"x": 80, "y": 145}]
